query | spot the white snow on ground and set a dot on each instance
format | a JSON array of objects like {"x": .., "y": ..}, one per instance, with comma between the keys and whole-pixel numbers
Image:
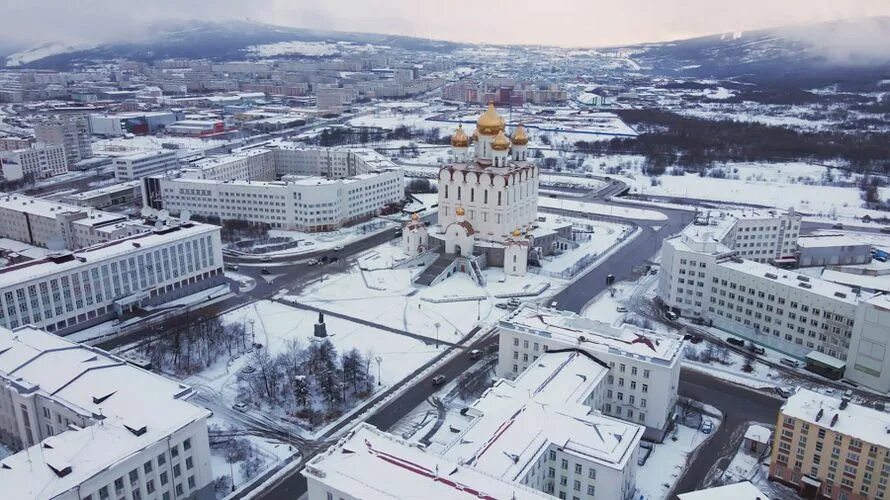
[
  {"x": 604, "y": 307},
  {"x": 269, "y": 452},
  {"x": 316, "y": 49},
  {"x": 719, "y": 93},
  {"x": 600, "y": 239},
  {"x": 391, "y": 119},
  {"x": 311, "y": 242},
  {"x": 783, "y": 185},
  {"x": 745, "y": 464},
  {"x": 120, "y": 146},
  {"x": 37, "y": 53},
  {"x": 668, "y": 461},
  {"x": 601, "y": 209}
]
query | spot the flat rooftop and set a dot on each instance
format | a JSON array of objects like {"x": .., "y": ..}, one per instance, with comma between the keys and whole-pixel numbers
[
  {"x": 738, "y": 491},
  {"x": 94, "y": 384},
  {"x": 39, "y": 207},
  {"x": 38, "y": 268},
  {"x": 568, "y": 328},
  {"x": 792, "y": 279},
  {"x": 860, "y": 422},
  {"x": 106, "y": 190},
  {"x": 369, "y": 463},
  {"x": 516, "y": 422},
  {"x": 829, "y": 241}
]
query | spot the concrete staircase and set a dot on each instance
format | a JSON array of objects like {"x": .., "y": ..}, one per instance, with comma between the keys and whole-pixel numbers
[{"x": 431, "y": 273}]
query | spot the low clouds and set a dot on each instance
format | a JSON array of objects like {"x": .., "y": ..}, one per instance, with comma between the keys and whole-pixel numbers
[{"x": 558, "y": 22}]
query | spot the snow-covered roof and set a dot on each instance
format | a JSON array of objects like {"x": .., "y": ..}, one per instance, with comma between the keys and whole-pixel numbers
[
  {"x": 792, "y": 279},
  {"x": 369, "y": 463},
  {"x": 36, "y": 269},
  {"x": 105, "y": 190},
  {"x": 516, "y": 422},
  {"x": 860, "y": 422},
  {"x": 758, "y": 433},
  {"x": 877, "y": 282},
  {"x": 105, "y": 390},
  {"x": 829, "y": 241},
  {"x": 593, "y": 336},
  {"x": 39, "y": 207},
  {"x": 738, "y": 491}
]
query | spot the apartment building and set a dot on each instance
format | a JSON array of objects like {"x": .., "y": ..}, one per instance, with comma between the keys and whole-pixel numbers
[
  {"x": 830, "y": 448},
  {"x": 125, "y": 193},
  {"x": 868, "y": 357},
  {"x": 762, "y": 236},
  {"x": 80, "y": 415},
  {"x": 320, "y": 189},
  {"x": 14, "y": 143},
  {"x": 37, "y": 162},
  {"x": 139, "y": 165},
  {"x": 69, "y": 291},
  {"x": 532, "y": 436},
  {"x": 70, "y": 131},
  {"x": 643, "y": 366}
]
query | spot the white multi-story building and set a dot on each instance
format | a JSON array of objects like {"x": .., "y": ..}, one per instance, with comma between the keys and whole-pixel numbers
[
  {"x": 761, "y": 237},
  {"x": 778, "y": 308},
  {"x": 369, "y": 463},
  {"x": 868, "y": 357},
  {"x": 72, "y": 132},
  {"x": 320, "y": 189},
  {"x": 57, "y": 225},
  {"x": 107, "y": 196},
  {"x": 139, "y": 165},
  {"x": 643, "y": 366},
  {"x": 94, "y": 427},
  {"x": 38, "y": 162},
  {"x": 532, "y": 435},
  {"x": 66, "y": 292}
]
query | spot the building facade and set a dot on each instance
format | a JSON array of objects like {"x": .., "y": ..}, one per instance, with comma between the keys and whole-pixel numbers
[
  {"x": 320, "y": 189},
  {"x": 70, "y": 131},
  {"x": 139, "y": 165},
  {"x": 37, "y": 162},
  {"x": 830, "y": 448},
  {"x": 66, "y": 292},
  {"x": 81, "y": 416},
  {"x": 643, "y": 367}
]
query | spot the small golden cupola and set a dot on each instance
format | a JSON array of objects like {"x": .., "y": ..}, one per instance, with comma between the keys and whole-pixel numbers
[
  {"x": 490, "y": 122},
  {"x": 459, "y": 211},
  {"x": 500, "y": 142},
  {"x": 460, "y": 139},
  {"x": 519, "y": 137}
]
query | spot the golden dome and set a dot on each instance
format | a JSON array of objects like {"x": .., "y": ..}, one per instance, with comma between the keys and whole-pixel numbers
[
  {"x": 500, "y": 142},
  {"x": 490, "y": 122},
  {"x": 475, "y": 134},
  {"x": 519, "y": 137},
  {"x": 460, "y": 139},
  {"x": 459, "y": 211},
  {"x": 517, "y": 232},
  {"x": 415, "y": 217}
]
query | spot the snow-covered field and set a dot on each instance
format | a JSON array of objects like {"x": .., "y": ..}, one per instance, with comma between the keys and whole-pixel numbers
[
  {"x": 593, "y": 238},
  {"x": 311, "y": 242},
  {"x": 668, "y": 461}
]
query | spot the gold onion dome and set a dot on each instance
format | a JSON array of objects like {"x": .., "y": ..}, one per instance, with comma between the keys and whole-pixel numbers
[
  {"x": 459, "y": 211},
  {"x": 460, "y": 139},
  {"x": 519, "y": 137},
  {"x": 517, "y": 232},
  {"x": 490, "y": 122},
  {"x": 500, "y": 142},
  {"x": 415, "y": 217}
]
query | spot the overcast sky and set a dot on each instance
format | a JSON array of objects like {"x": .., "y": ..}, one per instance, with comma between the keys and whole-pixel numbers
[{"x": 545, "y": 22}]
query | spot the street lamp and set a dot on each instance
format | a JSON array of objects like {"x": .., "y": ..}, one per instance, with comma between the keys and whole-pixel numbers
[
  {"x": 379, "y": 360},
  {"x": 437, "y": 325},
  {"x": 478, "y": 309},
  {"x": 252, "y": 330}
]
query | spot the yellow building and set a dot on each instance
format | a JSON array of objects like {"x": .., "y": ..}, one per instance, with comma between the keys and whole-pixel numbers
[{"x": 828, "y": 448}]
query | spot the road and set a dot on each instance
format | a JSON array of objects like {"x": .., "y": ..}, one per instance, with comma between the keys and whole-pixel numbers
[{"x": 739, "y": 405}]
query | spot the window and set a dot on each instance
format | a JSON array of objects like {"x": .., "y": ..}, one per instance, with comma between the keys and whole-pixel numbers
[
  {"x": 565, "y": 464},
  {"x": 187, "y": 444},
  {"x": 590, "y": 490},
  {"x": 577, "y": 468},
  {"x": 134, "y": 476},
  {"x": 103, "y": 492},
  {"x": 177, "y": 470},
  {"x": 188, "y": 463},
  {"x": 150, "y": 486},
  {"x": 174, "y": 451},
  {"x": 591, "y": 473},
  {"x": 576, "y": 485},
  {"x": 147, "y": 467},
  {"x": 163, "y": 478},
  {"x": 191, "y": 482},
  {"x": 162, "y": 459}
]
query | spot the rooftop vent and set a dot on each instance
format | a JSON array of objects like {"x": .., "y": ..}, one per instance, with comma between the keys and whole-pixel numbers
[
  {"x": 771, "y": 276},
  {"x": 61, "y": 472},
  {"x": 805, "y": 285},
  {"x": 99, "y": 399},
  {"x": 834, "y": 420},
  {"x": 803, "y": 278},
  {"x": 819, "y": 415},
  {"x": 844, "y": 402},
  {"x": 138, "y": 431},
  {"x": 840, "y": 295}
]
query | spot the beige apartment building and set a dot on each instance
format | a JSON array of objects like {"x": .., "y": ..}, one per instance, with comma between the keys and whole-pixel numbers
[{"x": 826, "y": 447}]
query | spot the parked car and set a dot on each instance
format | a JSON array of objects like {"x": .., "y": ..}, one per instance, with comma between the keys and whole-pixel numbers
[
  {"x": 695, "y": 339},
  {"x": 338, "y": 248},
  {"x": 502, "y": 305},
  {"x": 231, "y": 267},
  {"x": 837, "y": 226},
  {"x": 439, "y": 380},
  {"x": 707, "y": 426},
  {"x": 885, "y": 229},
  {"x": 312, "y": 262},
  {"x": 266, "y": 258},
  {"x": 756, "y": 349},
  {"x": 248, "y": 370},
  {"x": 621, "y": 309},
  {"x": 671, "y": 315},
  {"x": 790, "y": 362},
  {"x": 475, "y": 354},
  {"x": 783, "y": 392},
  {"x": 736, "y": 342},
  {"x": 240, "y": 406},
  {"x": 264, "y": 271}
]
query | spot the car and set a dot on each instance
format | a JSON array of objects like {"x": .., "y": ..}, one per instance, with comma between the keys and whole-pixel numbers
[
  {"x": 885, "y": 229},
  {"x": 880, "y": 258},
  {"x": 837, "y": 226},
  {"x": 502, "y": 305},
  {"x": 240, "y": 406},
  {"x": 756, "y": 349},
  {"x": 247, "y": 370},
  {"x": 707, "y": 426},
  {"x": 783, "y": 392},
  {"x": 671, "y": 315},
  {"x": 312, "y": 262},
  {"x": 439, "y": 380},
  {"x": 789, "y": 362},
  {"x": 338, "y": 248},
  {"x": 264, "y": 271},
  {"x": 621, "y": 309},
  {"x": 736, "y": 342},
  {"x": 696, "y": 339},
  {"x": 266, "y": 258},
  {"x": 231, "y": 267},
  {"x": 475, "y": 354}
]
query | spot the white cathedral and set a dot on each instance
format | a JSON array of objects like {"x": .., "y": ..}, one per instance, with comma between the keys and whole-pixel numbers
[{"x": 488, "y": 203}]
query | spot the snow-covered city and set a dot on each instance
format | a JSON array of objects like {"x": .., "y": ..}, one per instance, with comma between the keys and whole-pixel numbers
[{"x": 274, "y": 253}]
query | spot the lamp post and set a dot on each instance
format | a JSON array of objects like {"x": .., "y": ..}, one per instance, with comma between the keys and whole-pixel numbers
[
  {"x": 479, "y": 310},
  {"x": 379, "y": 360},
  {"x": 437, "y": 325}
]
